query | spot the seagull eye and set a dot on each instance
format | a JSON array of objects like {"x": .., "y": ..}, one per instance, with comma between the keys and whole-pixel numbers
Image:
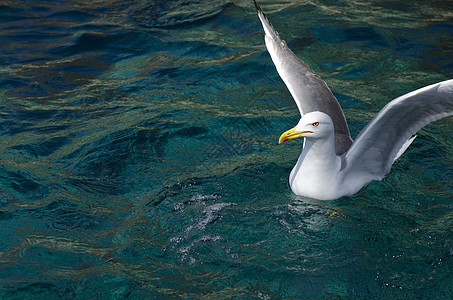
[{"x": 315, "y": 124}]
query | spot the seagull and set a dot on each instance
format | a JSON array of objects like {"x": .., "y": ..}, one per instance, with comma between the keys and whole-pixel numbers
[{"x": 331, "y": 164}]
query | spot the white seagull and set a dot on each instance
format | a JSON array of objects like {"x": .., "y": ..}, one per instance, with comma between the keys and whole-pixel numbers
[{"x": 331, "y": 164}]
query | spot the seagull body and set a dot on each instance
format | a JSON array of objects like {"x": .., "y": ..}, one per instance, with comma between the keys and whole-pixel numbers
[{"x": 331, "y": 164}]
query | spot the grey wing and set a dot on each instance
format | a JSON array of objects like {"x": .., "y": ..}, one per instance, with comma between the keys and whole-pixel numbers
[
  {"x": 309, "y": 91},
  {"x": 392, "y": 130}
]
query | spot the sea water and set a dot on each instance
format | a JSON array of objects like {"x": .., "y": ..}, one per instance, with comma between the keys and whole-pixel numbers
[{"x": 139, "y": 152}]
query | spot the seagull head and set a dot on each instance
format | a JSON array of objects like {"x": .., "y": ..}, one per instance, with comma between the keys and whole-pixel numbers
[{"x": 313, "y": 125}]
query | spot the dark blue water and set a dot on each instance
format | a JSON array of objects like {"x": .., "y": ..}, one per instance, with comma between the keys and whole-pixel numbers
[{"x": 139, "y": 154}]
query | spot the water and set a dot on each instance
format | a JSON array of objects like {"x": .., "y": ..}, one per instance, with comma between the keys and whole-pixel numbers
[{"x": 139, "y": 154}]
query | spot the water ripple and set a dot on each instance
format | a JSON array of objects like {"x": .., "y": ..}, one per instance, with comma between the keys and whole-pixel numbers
[{"x": 139, "y": 153}]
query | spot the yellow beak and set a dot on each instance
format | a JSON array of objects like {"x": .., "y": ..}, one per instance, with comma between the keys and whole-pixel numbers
[{"x": 291, "y": 134}]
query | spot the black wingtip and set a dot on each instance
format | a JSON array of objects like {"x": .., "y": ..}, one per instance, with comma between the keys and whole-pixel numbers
[{"x": 258, "y": 9}]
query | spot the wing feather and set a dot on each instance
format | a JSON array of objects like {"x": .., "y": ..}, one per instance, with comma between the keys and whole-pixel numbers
[
  {"x": 309, "y": 91},
  {"x": 392, "y": 130}
]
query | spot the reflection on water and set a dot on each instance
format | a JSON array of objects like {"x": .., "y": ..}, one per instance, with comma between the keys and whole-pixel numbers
[{"x": 139, "y": 153}]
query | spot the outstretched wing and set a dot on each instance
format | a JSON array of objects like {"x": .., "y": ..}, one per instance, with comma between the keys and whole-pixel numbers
[
  {"x": 309, "y": 91},
  {"x": 392, "y": 130}
]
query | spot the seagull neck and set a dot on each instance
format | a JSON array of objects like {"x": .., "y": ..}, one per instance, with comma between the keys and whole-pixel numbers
[{"x": 322, "y": 150}]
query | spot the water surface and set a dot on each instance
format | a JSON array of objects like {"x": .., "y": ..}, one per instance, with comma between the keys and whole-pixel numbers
[{"x": 139, "y": 152}]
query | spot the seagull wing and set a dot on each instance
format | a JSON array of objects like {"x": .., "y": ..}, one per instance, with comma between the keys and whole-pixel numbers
[
  {"x": 309, "y": 91},
  {"x": 392, "y": 130}
]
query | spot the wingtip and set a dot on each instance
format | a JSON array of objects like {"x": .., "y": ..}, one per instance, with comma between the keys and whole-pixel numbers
[
  {"x": 268, "y": 29},
  {"x": 258, "y": 8}
]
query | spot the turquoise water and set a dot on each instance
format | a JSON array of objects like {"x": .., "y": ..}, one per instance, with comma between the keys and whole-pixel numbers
[{"x": 139, "y": 152}]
